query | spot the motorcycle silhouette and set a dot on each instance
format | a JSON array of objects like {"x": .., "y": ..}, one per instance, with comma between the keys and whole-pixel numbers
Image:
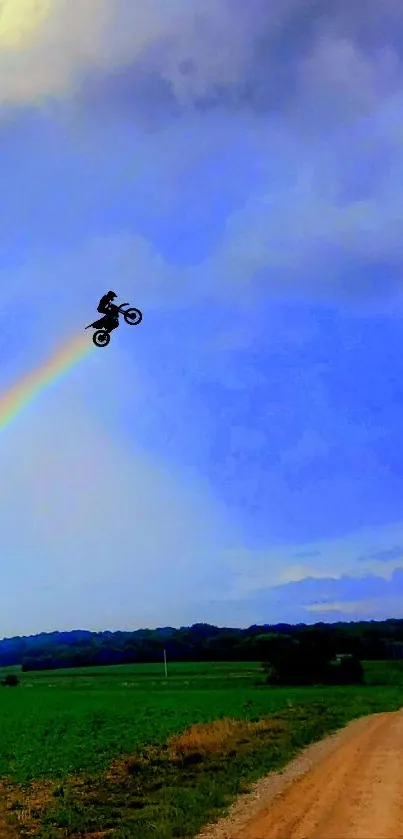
[{"x": 104, "y": 325}]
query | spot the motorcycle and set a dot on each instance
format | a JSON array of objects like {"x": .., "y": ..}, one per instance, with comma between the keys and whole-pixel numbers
[{"x": 102, "y": 336}]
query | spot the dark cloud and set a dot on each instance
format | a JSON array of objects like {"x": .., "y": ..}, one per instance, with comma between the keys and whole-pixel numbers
[
  {"x": 312, "y": 600},
  {"x": 316, "y": 89},
  {"x": 255, "y": 56},
  {"x": 346, "y": 589},
  {"x": 388, "y": 555}
]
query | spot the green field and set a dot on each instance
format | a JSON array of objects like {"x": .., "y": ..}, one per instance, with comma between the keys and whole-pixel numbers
[{"x": 64, "y": 729}]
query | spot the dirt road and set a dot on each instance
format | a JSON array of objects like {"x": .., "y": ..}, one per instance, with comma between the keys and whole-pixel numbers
[{"x": 349, "y": 786}]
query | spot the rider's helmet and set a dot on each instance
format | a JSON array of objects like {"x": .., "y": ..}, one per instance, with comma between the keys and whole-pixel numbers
[{"x": 112, "y": 294}]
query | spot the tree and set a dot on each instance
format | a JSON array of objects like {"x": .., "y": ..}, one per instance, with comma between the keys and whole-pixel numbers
[
  {"x": 11, "y": 681},
  {"x": 307, "y": 661},
  {"x": 345, "y": 670}
]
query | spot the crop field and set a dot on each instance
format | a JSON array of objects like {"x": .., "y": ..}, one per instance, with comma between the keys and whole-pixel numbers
[{"x": 125, "y": 752}]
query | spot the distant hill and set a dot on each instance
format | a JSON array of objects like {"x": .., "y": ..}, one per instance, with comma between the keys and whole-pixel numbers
[{"x": 368, "y": 640}]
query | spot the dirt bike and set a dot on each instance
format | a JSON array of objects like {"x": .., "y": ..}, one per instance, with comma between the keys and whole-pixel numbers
[{"x": 102, "y": 336}]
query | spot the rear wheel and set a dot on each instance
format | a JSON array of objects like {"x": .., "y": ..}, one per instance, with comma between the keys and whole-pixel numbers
[
  {"x": 101, "y": 338},
  {"x": 133, "y": 317}
]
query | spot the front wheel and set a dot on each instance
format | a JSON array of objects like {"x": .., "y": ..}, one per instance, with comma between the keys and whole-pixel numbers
[
  {"x": 133, "y": 317},
  {"x": 101, "y": 338}
]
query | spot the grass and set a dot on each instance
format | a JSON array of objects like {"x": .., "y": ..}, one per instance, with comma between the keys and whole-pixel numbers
[{"x": 126, "y": 751}]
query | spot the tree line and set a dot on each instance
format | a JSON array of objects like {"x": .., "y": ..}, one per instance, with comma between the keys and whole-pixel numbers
[{"x": 364, "y": 640}]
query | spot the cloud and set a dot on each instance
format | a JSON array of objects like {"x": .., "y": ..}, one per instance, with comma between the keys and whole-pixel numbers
[
  {"x": 203, "y": 52},
  {"x": 331, "y": 565},
  {"x": 61, "y": 44},
  {"x": 387, "y": 555},
  {"x": 347, "y": 589},
  {"x": 354, "y": 609},
  {"x": 367, "y": 598},
  {"x": 317, "y": 92},
  {"x": 308, "y": 244},
  {"x": 310, "y": 600},
  {"x": 341, "y": 80},
  {"x": 285, "y": 59},
  {"x": 164, "y": 39}
]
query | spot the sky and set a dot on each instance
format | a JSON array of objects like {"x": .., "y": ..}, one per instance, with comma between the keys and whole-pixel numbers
[{"x": 234, "y": 170}]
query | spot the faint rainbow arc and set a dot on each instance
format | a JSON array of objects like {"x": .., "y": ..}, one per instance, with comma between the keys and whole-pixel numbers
[{"x": 29, "y": 386}]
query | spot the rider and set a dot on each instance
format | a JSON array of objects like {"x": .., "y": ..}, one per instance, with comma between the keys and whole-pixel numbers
[{"x": 110, "y": 310}]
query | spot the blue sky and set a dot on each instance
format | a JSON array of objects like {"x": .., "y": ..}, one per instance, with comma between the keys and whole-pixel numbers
[{"x": 234, "y": 169}]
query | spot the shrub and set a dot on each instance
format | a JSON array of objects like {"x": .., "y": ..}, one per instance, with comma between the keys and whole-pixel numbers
[{"x": 11, "y": 681}]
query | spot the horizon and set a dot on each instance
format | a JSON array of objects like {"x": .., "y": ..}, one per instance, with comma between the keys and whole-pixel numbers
[{"x": 238, "y": 455}]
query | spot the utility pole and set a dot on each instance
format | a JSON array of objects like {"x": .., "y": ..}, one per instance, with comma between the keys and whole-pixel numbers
[{"x": 165, "y": 664}]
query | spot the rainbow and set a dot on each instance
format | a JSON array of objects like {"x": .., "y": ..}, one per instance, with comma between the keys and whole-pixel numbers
[{"x": 24, "y": 391}]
